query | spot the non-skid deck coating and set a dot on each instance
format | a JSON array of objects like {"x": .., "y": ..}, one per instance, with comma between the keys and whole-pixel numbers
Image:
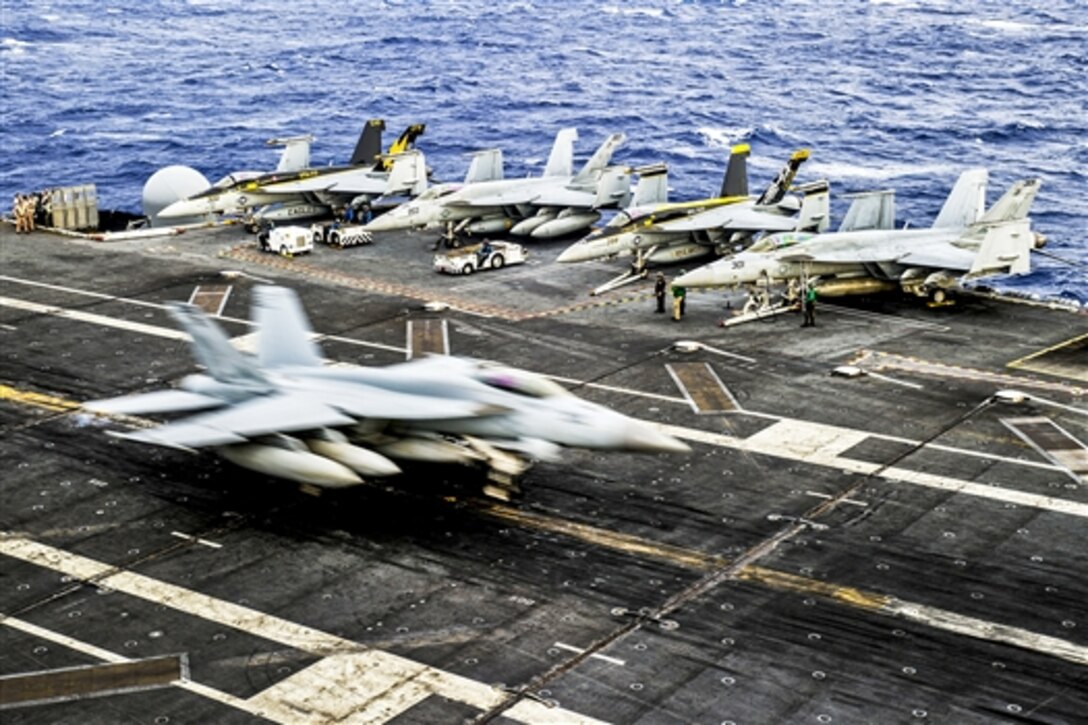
[{"x": 903, "y": 546}]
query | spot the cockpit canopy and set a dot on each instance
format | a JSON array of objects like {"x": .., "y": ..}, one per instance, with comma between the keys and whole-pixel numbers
[
  {"x": 771, "y": 242},
  {"x": 519, "y": 382}
]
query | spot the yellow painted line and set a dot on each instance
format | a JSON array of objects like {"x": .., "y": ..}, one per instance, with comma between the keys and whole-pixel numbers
[
  {"x": 805, "y": 585},
  {"x": 37, "y": 400},
  {"x": 1020, "y": 361}
]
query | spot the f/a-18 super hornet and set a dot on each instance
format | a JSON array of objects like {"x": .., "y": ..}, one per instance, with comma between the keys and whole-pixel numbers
[
  {"x": 963, "y": 243},
  {"x": 295, "y": 193},
  {"x": 558, "y": 203},
  {"x": 676, "y": 232},
  {"x": 286, "y": 414}
]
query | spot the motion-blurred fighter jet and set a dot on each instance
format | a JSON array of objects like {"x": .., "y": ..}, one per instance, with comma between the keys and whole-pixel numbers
[
  {"x": 676, "y": 232},
  {"x": 285, "y": 414},
  {"x": 555, "y": 204},
  {"x": 292, "y": 192},
  {"x": 962, "y": 243}
]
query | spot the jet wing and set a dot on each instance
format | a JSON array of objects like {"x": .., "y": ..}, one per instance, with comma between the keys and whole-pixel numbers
[
  {"x": 737, "y": 217},
  {"x": 161, "y": 401},
  {"x": 938, "y": 256},
  {"x": 254, "y": 417}
]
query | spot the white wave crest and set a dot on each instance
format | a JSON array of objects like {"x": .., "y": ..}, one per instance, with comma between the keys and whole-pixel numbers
[
  {"x": 726, "y": 136},
  {"x": 838, "y": 170}
]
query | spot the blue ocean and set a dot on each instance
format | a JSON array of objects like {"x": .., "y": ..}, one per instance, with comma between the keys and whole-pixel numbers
[{"x": 899, "y": 94}]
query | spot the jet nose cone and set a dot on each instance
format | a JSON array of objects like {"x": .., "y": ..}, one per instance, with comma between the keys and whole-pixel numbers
[
  {"x": 385, "y": 223},
  {"x": 181, "y": 209},
  {"x": 701, "y": 277},
  {"x": 577, "y": 252},
  {"x": 647, "y": 437}
]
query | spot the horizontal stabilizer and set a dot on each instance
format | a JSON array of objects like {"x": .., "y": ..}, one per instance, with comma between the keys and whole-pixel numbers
[
  {"x": 407, "y": 174},
  {"x": 614, "y": 188},
  {"x": 160, "y": 401},
  {"x": 1004, "y": 248}
]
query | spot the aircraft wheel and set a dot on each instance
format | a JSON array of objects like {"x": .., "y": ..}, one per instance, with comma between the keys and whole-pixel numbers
[
  {"x": 938, "y": 295},
  {"x": 334, "y": 239},
  {"x": 318, "y": 237},
  {"x": 497, "y": 262}
]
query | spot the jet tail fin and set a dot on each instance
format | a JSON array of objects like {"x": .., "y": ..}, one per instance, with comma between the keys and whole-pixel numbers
[
  {"x": 781, "y": 184},
  {"x": 407, "y": 174},
  {"x": 600, "y": 159},
  {"x": 735, "y": 181},
  {"x": 653, "y": 185},
  {"x": 870, "y": 210},
  {"x": 485, "y": 166},
  {"x": 965, "y": 203},
  {"x": 284, "y": 336},
  {"x": 213, "y": 350},
  {"x": 561, "y": 158},
  {"x": 1004, "y": 247},
  {"x": 1014, "y": 204},
  {"x": 296, "y": 152},
  {"x": 613, "y": 188},
  {"x": 407, "y": 138},
  {"x": 815, "y": 212},
  {"x": 369, "y": 146}
]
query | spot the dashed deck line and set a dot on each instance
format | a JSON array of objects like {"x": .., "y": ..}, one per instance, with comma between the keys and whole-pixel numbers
[
  {"x": 871, "y": 360},
  {"x": 247, "y": 253}
]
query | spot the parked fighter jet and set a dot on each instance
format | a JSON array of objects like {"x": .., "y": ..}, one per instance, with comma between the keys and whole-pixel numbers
[
  {"x": 285, "y": 414},
  {"x": 960, "y": 244},
  {"x": 557, "y": 203},
  {"x": 676, "y": 232},
  {"x": 294, "y": 192}
]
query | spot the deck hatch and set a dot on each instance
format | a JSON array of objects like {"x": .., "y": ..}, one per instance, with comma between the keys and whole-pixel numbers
[
  {"x": 702, "y": 388},
  {"x": 1053, "y": 442},
  {"x": 211, "y": 298},
  {"x": 428, "y": 336}
]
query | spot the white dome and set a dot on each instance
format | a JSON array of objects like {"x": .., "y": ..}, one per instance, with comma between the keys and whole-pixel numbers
[{"x": 168, "y": 185}]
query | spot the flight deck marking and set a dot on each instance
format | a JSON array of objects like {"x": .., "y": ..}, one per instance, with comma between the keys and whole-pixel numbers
[
  {"x": 1054, "y": 443},
  {"x": 93, "y": 318},
  {"x": 211, "y": 298},
  {"x": 400, "y": 675},
  {"x": 428, "y": 335},
  {"x": 1068, "y": 352},
  {"x": 702, "y": 388},
  {"x": 709, "y": 438},
  {"x": 75, "y": 683},
  {"x": 595, "y": 655},
  {"x": 868, "y": 359},
  {"x": 784, "y": 581},
  {"x": 190, "y": 537}
]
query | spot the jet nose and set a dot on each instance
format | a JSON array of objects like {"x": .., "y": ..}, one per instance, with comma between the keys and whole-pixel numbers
[
  {"x": 647, "y": 437},
  {"x": 386, "y": 222},
  {"x": 704, "y": 276},
  {"x": 577, "y": 252},
  {"x": 183, "y": 208}
]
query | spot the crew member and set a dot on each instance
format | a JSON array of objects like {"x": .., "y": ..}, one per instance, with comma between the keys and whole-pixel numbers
[
  {"x": 17, "y": 212},
  {"x": 659, "y": 292},
  {"x": 678, "y": 299},
  {"x": 810, "y": 306},
  {"x": 483, "y": 252}
]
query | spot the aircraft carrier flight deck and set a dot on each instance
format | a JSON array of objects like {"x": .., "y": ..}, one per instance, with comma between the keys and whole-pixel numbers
[{"x": 882, "y": 518}]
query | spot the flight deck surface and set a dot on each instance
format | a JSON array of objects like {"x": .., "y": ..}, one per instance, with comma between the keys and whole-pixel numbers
[{"x": 899, "y": 546}]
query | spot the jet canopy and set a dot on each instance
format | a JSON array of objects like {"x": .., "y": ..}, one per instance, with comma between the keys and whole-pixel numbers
[
  {"x": 519, "y": 382},
  {"x": 772, "y": 242}
]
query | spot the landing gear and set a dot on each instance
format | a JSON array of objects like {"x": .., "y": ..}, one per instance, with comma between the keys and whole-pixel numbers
[{"x": 638, "y": 271}]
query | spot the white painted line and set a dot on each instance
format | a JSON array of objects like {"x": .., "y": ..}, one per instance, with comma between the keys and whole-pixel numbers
[
  {"x": 726, "y": 353},
  {"x": 579, "y": 650},
  {"x": 981, "y": 629},
  {"x": 8, "y": 327},
  {"x": 396, "y": 671},
  {"x": 223, "y": 301},
  {"x": 194, "y": 539},
  {"x": 102, "y": 320},
  {"x": 885, "y": 378},
  {"x": 825, "y": 496},
  {"x": 107, "y": 656},
  {"x": 767, "y": 445}
]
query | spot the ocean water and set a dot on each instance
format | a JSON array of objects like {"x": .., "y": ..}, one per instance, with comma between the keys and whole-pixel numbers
[{"x": 899, "y": 94}]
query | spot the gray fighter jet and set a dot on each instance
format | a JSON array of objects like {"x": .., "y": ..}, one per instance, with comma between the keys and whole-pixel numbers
[
  {"x": 555, "y": 204},
  {"x": 292, "y": 192},
  {"x": 963, "y": 243},
  {"x": 285, "y": 413},
  {"x": 679, "y": 231}
]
